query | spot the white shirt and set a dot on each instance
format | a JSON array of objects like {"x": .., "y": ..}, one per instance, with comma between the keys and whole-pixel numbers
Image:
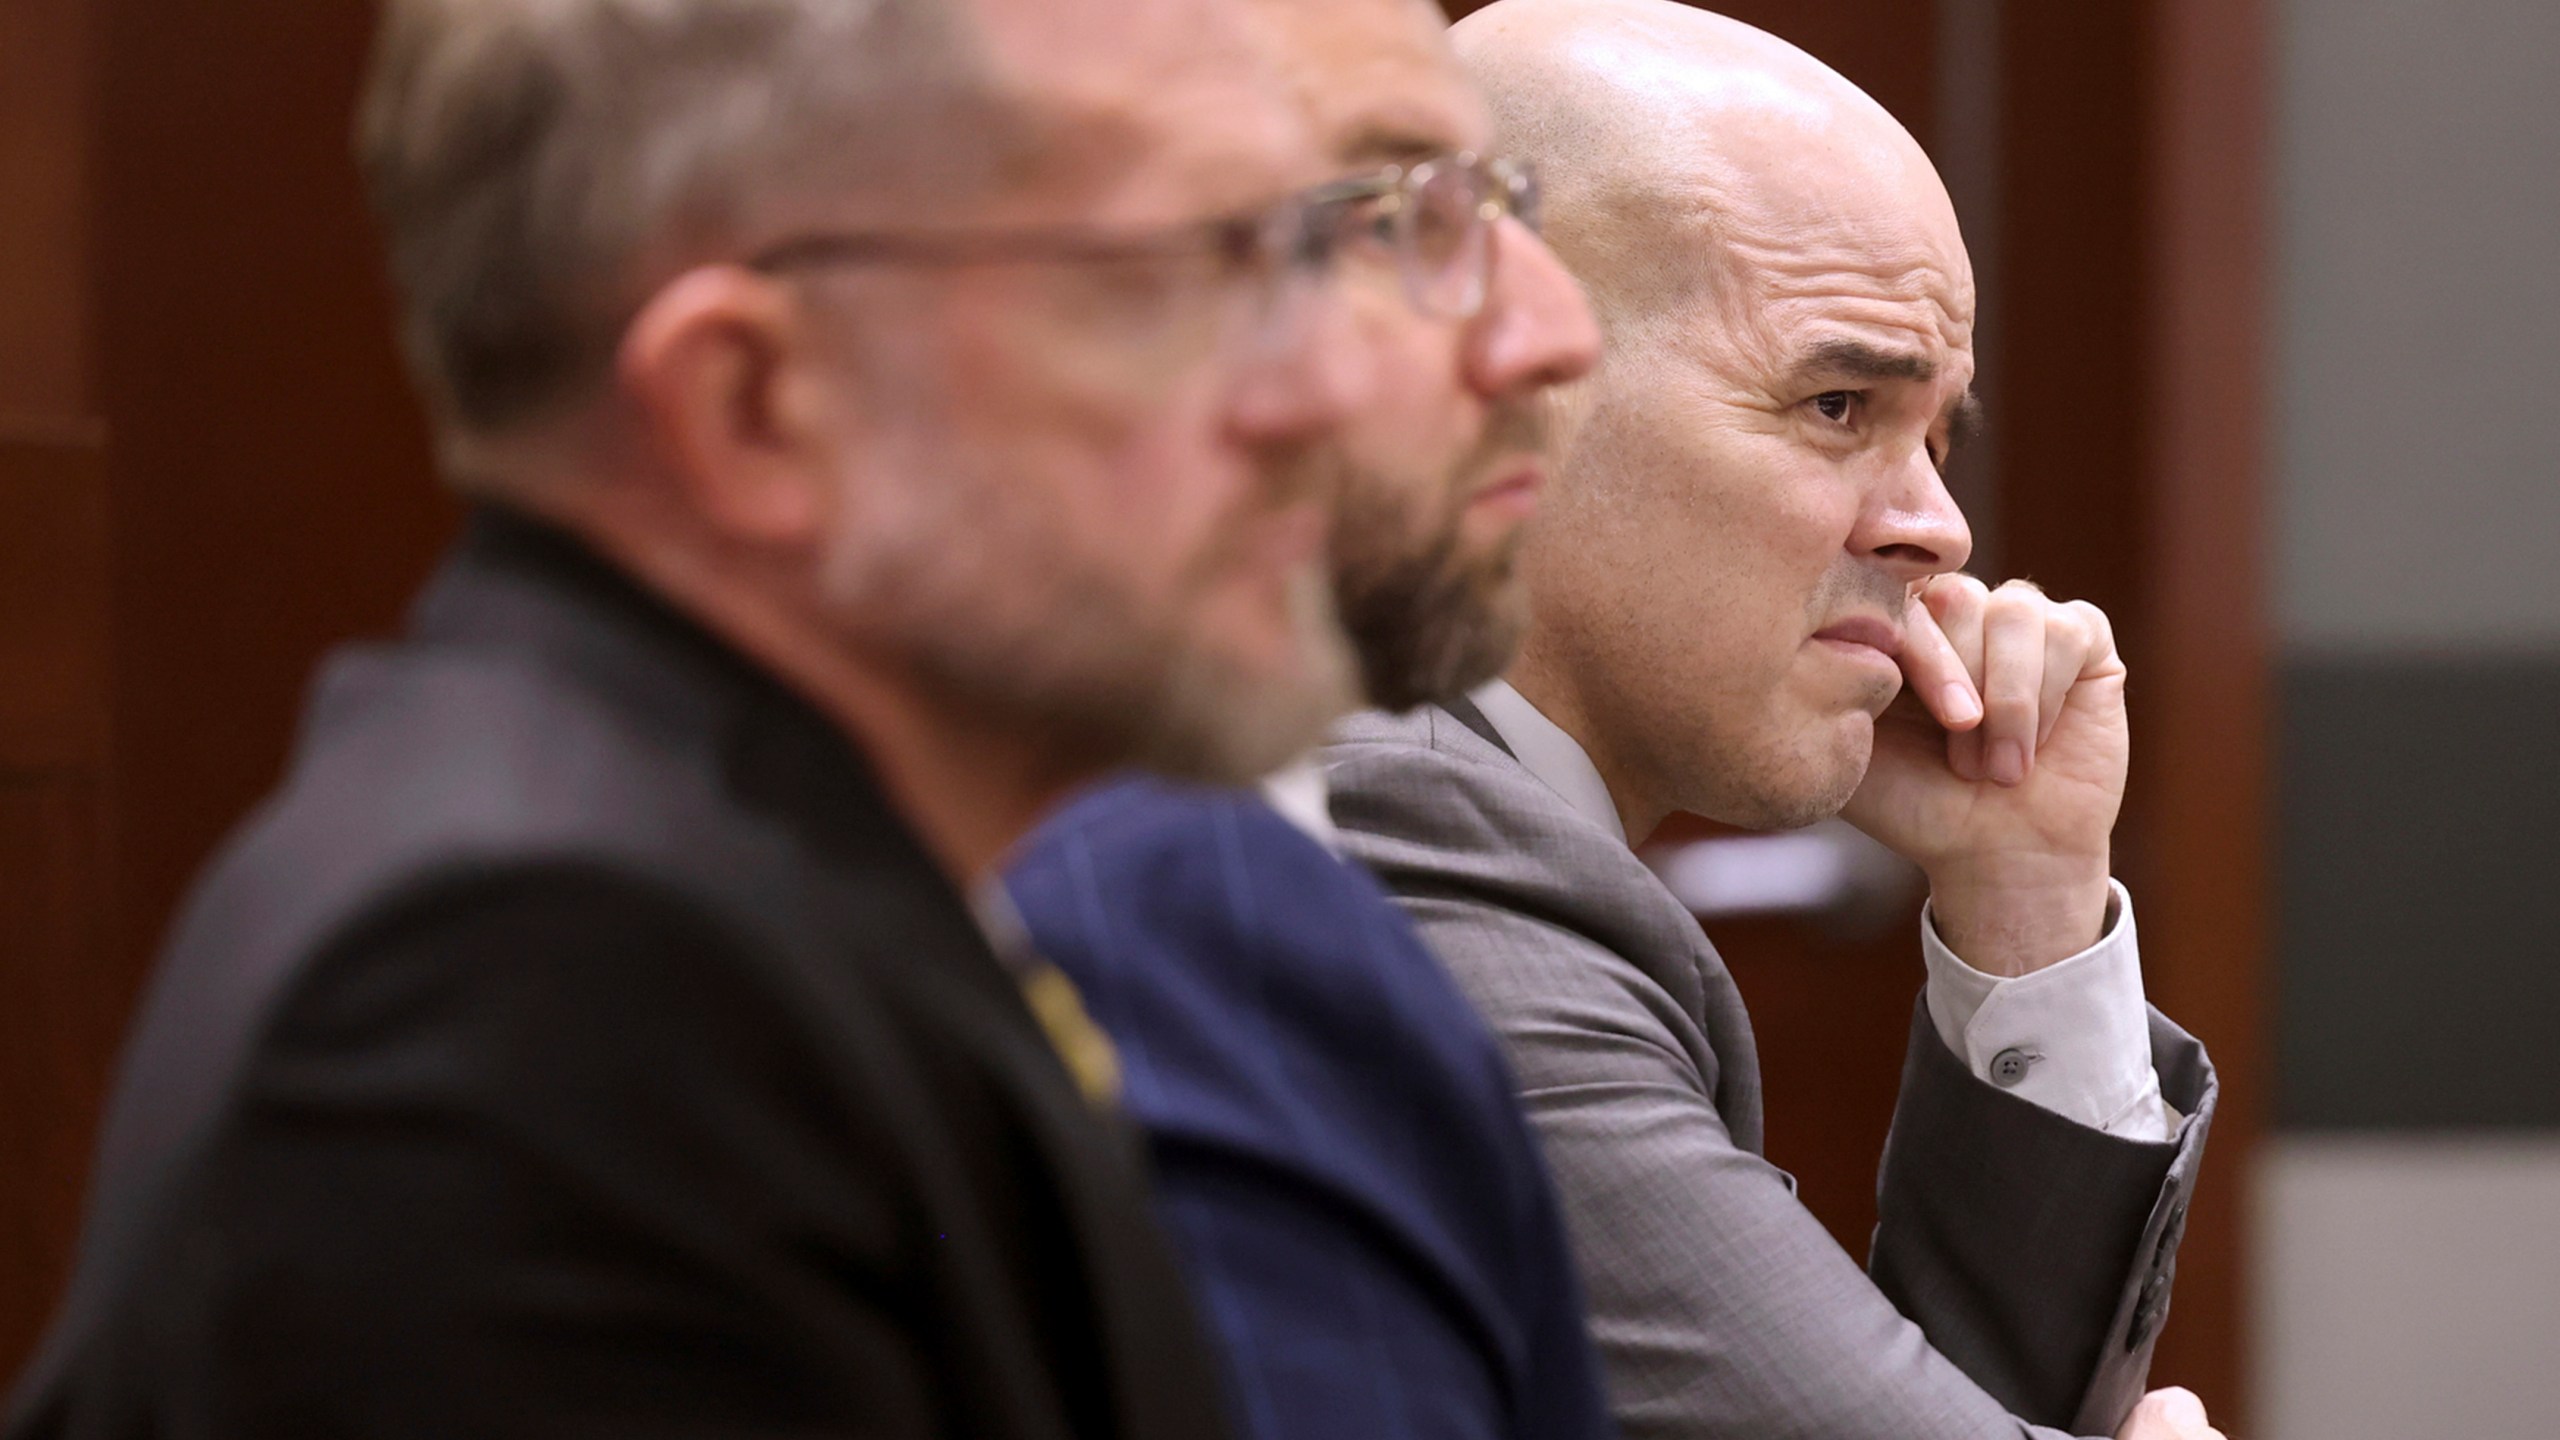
[
  {"x": 1298, "y": 791},
  {"x": 2074, "y": 1037}
]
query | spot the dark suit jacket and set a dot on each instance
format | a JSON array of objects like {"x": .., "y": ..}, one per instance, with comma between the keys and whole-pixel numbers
[
  {"x": 1351, "y": 1186},
  {"x": 578, "y": 1044}
]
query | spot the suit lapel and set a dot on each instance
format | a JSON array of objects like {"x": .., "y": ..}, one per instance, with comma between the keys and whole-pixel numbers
[
  {"x": 1671, "y": 929},
  {"x": 1466, "y": 712}
]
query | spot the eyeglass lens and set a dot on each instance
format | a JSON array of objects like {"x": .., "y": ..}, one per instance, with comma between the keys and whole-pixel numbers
[{"x": 1447, "y": 240}]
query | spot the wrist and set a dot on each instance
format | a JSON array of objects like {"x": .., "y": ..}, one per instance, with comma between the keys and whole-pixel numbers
[{"x": 2014, "y": 920}]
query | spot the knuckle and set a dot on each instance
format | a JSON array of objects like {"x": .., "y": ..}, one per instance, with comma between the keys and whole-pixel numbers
[
  {"x": 2010, "y": 701},
  {"x": 2015, "y": 610},
  {"x": 1953, "y": 596}
]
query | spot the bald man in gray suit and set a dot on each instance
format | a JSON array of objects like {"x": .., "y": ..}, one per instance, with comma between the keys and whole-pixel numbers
[{"x": 1747, "y": 603}]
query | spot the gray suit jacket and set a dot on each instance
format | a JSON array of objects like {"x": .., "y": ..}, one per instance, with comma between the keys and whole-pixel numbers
[{"x": 2021, "y": 1265}]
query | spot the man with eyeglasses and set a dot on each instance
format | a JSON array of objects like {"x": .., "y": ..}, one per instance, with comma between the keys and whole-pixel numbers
[
  {"x": 1350, "y": 1186},
  {"x": 879, "y": 419}
]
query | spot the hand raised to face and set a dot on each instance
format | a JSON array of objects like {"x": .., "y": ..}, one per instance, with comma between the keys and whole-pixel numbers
[{"x": 2001, "y": 768}]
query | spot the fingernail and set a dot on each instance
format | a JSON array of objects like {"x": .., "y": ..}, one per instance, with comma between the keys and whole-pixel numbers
[
  {"x": 1958, "y": 704},
  {"x": 2008, "y": 762}
]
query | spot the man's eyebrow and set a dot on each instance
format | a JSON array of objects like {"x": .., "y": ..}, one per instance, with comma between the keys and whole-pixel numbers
[
  {"x": 1386, "y": 142},
  {"x": 1858, "y": 360}
]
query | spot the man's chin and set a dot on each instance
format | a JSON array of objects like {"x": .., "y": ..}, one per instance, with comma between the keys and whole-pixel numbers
[{"x": 1814, "y": 782}]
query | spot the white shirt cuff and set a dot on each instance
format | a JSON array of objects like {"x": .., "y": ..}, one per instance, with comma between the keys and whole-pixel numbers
[{"x": 2074, "y": 1037}]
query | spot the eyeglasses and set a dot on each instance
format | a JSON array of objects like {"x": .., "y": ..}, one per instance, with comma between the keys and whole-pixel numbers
[
  {"x": 1293, "y": 235},
  {"x": 1436, "y": 219},
  {"x": 1262, "y": 261},
  {"x": 1432, "y": 220}
]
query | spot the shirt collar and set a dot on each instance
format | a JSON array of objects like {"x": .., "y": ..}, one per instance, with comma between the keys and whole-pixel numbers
[
  {"x": 1547, "y": 752},
  {"x": 1299, "y": 792}
]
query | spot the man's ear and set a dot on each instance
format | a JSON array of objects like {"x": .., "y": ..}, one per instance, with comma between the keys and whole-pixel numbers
[{"x": 719, "y": 364}]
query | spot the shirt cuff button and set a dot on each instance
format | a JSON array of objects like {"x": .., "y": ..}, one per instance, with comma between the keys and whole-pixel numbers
[{"x": 2009, "y": 1067}]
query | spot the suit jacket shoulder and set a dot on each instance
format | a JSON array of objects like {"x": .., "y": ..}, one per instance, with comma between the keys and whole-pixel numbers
[
  {"x": 596, "y": 965},
  {"x": 1361, "y": 1206},
  {"x": 1535, "y": 909}
]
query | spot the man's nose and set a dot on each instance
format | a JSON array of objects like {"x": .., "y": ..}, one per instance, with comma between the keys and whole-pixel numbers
[
  {"x": 1913, "y": 528},
  {"x": 1536, "y": 329}
]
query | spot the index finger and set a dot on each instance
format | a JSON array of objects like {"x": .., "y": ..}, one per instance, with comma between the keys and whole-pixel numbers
[{"x": 1935, "y": 672}]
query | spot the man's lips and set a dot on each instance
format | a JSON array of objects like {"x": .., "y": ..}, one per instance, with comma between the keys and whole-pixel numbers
[
  {"x": 1875, "y": 634},
  {"x": 1515, "y": 487}
]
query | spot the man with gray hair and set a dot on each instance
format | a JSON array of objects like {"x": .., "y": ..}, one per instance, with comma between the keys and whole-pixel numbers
[
  {"x": 880, "y": 417},
  {"x": 1745, "y": 604}
]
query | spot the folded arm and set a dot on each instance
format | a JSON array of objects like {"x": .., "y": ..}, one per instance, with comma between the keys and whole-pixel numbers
[{"x": 1720, "y": 1303}]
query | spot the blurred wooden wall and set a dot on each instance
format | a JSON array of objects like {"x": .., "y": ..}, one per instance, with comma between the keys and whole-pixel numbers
[
  {"x": 210, "y": 470},
  {"x": 59, "y": 1007}
]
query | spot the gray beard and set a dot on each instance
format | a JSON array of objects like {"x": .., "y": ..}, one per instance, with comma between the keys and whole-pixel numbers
[{"x": 986, "y": 614}]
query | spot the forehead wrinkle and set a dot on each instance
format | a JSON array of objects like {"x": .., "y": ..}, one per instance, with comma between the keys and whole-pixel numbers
[
  {"x": 1899, "y": 266},
  {"x": 1794, "y": 275},
  {"x": 1914, "y": 296}
]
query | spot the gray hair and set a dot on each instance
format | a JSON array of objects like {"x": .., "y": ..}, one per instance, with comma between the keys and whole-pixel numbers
[{"x": 531, "y": 161}]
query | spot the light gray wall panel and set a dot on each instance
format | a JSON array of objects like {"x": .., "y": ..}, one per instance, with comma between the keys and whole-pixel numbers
[
  {"x": 2408, "y": 1288},
  {"x": 2419, "y": 326}
]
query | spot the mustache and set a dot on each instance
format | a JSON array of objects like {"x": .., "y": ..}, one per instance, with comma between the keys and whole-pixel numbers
[
  {"x": 1515, "y": 428},
  {"x": 1852, "y": 589}
]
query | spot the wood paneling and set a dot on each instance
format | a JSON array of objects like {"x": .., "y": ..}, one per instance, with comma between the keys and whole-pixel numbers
[
  {"x": 58, "y": 1030},
  {"x": 185, "y": 265},
  {"x": 2132, "y": 397},
  {"x": 61, "y": 1002},
  {"x": 272, "y": 491},
  {"x": 2203, "y": 702},
  {"x": 44, "y": 180},
  {"x": 53, "y": 591},
  {"x": 2072, "y": 381}
]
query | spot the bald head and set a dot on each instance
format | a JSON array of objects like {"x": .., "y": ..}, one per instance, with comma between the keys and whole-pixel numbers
[
  {"x": 1756, "y": 463},
  {"x": 1669, "y": 136}
]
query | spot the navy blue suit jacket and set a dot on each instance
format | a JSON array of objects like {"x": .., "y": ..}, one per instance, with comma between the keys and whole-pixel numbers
[{"x": 1368, "y": 1226}]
